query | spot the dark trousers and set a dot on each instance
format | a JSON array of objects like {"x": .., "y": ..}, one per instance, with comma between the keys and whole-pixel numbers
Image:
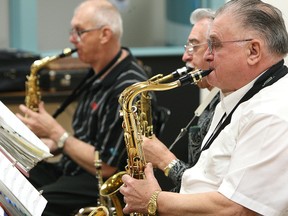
[{"x": 65, "y": 194}]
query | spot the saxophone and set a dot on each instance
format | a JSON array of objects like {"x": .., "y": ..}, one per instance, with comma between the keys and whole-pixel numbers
[
  {"x": 137, "y": 121},
  {"x": 33, "y": 94},
  {"x": 131, "y": 121}
]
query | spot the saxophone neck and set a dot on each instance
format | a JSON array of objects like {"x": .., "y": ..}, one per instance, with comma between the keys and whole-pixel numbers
[
  {"x": 40, "y": 63},
  {"x": 160, "y": 78}
]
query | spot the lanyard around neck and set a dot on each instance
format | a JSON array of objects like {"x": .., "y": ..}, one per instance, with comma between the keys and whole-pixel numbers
[
  {"x": 84, "y": 84},
  {"x": 271, "y": 76}
]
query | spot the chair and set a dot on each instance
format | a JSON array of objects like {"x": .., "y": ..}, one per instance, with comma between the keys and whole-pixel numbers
[{"x": 160, "y": 118}]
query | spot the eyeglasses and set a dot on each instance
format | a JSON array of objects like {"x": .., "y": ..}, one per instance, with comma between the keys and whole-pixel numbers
[
  {"x": 78, "y": 33},
  {"x": 190, "y": 48},
  {"x": 212, "y": 45}
]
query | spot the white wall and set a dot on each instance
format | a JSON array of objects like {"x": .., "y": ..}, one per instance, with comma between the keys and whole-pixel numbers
[
  {"x": 143, "y": 23},
  {"x": 4, "y": 36},
  {"x": 53, "y": 23}
]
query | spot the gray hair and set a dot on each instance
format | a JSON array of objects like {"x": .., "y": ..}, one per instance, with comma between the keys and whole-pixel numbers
[
  {"x": 201, "y": 13},
  {"x": 106, "y": 14},
  {"x": 262, "y": 18}
]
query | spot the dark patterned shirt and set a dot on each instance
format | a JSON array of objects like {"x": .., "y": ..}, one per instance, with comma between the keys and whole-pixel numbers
[
  {"x": 97, "y": 120},
  {"x": 195, "y": 137}
]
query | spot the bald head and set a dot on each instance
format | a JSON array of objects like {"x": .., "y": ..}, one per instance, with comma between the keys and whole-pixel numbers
[{"x": 102, "y": 13}]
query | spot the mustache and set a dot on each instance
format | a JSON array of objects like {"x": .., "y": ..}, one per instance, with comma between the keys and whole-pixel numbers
[{"x": 189, "y": 65}]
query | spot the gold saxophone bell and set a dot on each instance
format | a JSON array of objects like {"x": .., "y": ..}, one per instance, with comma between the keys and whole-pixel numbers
[
  {"x": 108, "y": 192},
  {"x": 100, "y": 211},
  {"x": 110, "y": 188},
  {"x": 93, "y": 211}
]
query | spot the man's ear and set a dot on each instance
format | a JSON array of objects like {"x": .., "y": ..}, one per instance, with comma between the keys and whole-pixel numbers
[
  {"x": 254, "y": 52},
  {"x": 106, "y": 34}
]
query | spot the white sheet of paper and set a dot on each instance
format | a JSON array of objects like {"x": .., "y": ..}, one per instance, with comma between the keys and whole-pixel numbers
[
  {"x": 24, "y": 195},
  {"x": 20, "y": 127}
]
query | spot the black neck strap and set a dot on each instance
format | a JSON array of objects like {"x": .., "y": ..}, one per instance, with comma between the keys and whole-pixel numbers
[
  {"x": 271, "y": 76},
  {"x": 84, "y": 84}
]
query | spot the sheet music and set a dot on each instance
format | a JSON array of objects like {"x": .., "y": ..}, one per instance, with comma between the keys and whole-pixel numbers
[
  {"x": 18, "y": 143},
  {"x": 17, "y": 194},
  {"x": 20, "y": 127}
]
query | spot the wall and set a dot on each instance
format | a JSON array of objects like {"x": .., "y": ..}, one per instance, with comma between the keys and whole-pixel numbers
[
  {"x": 53, "y": 23},
  {"x": 145, "y": 22},
  {"x": 43, "y": 26},
  {"x": 4, "y": 24},
  {"x": 142, "y": 23}
]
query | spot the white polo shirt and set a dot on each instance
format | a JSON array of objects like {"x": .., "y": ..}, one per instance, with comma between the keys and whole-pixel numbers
[{"x": 248, "y": 160}]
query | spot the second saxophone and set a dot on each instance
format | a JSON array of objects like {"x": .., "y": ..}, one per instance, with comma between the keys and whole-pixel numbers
[
  {"x": 33, "y": 94},
  {"x": 137, "y": 121}
]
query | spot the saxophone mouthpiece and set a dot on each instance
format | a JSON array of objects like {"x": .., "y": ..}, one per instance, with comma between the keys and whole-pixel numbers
[
  {"x": 189, "y": 69},
  {"x": 193, "y": 77},
  {"x": 182, "y": 71},
  {"x": 206, "y": 72},
  {"x": 67, "y": 52}
]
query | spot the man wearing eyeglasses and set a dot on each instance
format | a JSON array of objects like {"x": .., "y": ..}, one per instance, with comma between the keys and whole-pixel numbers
[
  {"x": 241, "y": 167},
  {"x": 157, "y": 153},
  {"x": 71, "y": 183}
]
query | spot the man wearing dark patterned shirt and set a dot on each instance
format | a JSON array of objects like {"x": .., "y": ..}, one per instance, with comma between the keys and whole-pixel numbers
[{"x": 71, "y": 184}]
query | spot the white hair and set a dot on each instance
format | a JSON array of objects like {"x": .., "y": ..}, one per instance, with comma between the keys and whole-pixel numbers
[{"x": 201, "y": 13}]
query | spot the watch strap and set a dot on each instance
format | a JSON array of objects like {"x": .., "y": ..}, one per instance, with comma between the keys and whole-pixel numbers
[
  {"x": 169, "y": 166},
  {"x": 62, "y": 140},
  {"x": 152, "y": 205}
]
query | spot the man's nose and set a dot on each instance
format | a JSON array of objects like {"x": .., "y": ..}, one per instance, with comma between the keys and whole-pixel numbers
[
  {"x": 186, "y": 57},
  {"x": 208, "y": 56}
]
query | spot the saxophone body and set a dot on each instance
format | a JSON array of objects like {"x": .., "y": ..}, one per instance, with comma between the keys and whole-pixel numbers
[
  {"x": 137, "y": 120},
  {"x": 33, "y": 94}
]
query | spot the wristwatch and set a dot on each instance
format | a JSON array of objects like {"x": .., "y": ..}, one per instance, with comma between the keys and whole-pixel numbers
[
  {"x": 169, "y": 166},
  {"x": 152, "y": 205},
  {"x": 62, "y": 140}
]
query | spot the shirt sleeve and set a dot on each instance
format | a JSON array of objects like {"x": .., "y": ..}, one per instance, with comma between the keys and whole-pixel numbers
[{"x": 176, "y": 172}]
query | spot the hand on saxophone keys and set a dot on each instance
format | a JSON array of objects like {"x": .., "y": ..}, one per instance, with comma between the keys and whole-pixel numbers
[
  {"x": 133, "y": 198},
  {"x": 151, "y": 148},
  {"x": 42, "y": 124}
]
